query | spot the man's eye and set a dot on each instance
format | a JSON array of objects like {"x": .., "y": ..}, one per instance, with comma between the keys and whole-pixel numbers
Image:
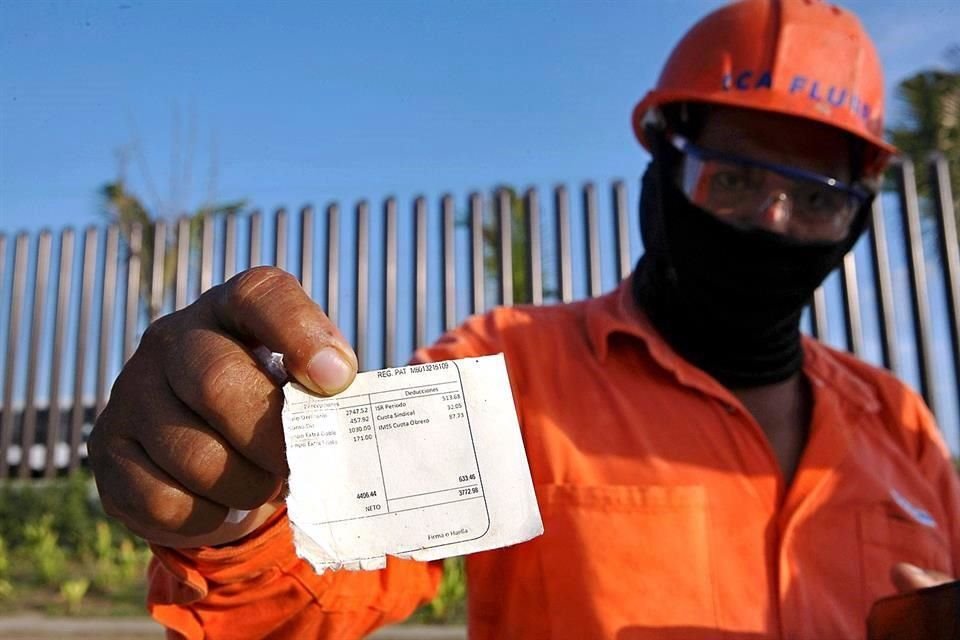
[
  {"x": 730, "y": 181},
  {"x": 821, "y": 202}
]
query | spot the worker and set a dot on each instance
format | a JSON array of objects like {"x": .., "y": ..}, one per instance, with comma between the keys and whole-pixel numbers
[{"x": 702, "y": 469}]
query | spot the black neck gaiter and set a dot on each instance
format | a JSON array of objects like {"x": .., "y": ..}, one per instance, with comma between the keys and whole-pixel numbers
[{"x": 726, "y": 299}]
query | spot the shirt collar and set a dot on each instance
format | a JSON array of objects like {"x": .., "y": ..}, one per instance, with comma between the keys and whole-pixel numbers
[
  {"x": 826, "y": 369},
  {"x": 617, "y": 313}
]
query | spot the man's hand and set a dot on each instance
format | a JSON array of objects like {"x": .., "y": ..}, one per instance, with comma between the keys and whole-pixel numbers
[
  {"x": 193, "y": 426},
  {"x": 908, "y": 577}
]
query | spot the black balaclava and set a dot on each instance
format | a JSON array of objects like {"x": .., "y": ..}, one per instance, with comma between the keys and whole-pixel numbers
[{"x": 728, "y": 300}]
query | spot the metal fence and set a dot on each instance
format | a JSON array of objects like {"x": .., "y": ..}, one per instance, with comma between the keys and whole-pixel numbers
[{"x": 76, "y": 305}]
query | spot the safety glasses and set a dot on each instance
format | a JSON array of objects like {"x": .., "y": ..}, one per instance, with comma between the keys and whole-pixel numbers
[{"x": 749, "y": 193}]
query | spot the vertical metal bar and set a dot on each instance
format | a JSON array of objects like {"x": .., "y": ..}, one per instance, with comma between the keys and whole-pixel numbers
[
  {"x": 28, "y": 432},
  {"x": 564, "y": 267},
  {"x": 17, "y": 289},
  {"x": 89, "y": 274},
  {"x": 158, "y": 278},
  {"x": 476, "y": 252},
  {"x": 230, "y": 247},
  {"x": 535, "y": 260},
  {"x": 390, "y": 282},
  {"x": 449, "y": 264},
  {"x": 910, "y": 212},
  {"x": 505, "y": 223},
  {"x": 3, "y": 257},
  {"x": 818, "y": 309},
  {"x": 883, "y": 284},
  {"x": 255, "y": 239},
  {"x": 131, "y": 314},
  {"x": 61, "y": 317},
  {"x": 183, "y": 263},
  {"x": 949, "y": 251},
  {"x": 3, "y": 263},
  {"x": 280, "y": 239},
  {"x": 206, "y": 253},
  {"x": 420, "y": 283},
  {"x": 594, "y": 271},
  {"x": 851, "y": 302},
  {"x": 306, "y": 249},
  {"x": 106, "y": 314},
  {"x": 333, "y": 261},
  {"x": 624, "y": 255},
  {"x": 363, "y": 280}
]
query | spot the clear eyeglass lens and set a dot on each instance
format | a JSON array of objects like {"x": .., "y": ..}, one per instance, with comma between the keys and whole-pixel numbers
[{"x": 741, "y": 194}]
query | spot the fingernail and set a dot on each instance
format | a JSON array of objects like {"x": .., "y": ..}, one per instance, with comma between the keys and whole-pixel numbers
[{"x": 330, "y": 370}]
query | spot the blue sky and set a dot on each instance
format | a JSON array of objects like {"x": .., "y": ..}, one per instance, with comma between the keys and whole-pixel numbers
[
  {"x": 293, "y": 102},
  {"x": 288, "y": 102}
]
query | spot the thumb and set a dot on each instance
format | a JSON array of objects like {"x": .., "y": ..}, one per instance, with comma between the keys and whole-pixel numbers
[
  {"x": 909, "y": 577},
  {"x": 267, "y": 306}
]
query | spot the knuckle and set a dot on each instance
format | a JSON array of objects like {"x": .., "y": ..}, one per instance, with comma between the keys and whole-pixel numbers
[
  {"x": 121, "y": 498},
  {"x": 93, "y": 445},
  {"x": 208, "y": 467},
  {"x": 202, "y": 460},
  {"x": 257, "y": 491},
  {"x": 162, "y": 511},
  {"x": 98, "y": 442},
  {"x": 158, "y": 332},
  {"x": 126, "y": 388},
  {"x": 109, "y": 507},
  {"x": 221, "y": 374},
  {"x": 252, "y": 286},
  {"x": 124, "y": 410},
  {"x": 168, "y": 510}
]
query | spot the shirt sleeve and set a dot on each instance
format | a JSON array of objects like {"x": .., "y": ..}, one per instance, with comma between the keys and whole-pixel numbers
[
  {"x": 259, "y": 588},
  {"x": 478, "y": 336}
]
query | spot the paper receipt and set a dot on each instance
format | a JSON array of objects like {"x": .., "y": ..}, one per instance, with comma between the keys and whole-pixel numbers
[{"x": 421, "y": 462}]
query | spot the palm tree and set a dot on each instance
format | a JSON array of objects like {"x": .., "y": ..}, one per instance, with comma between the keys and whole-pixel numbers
[
  {"x": 930, "y": 101},
  {"x": 126, "y": 209}
]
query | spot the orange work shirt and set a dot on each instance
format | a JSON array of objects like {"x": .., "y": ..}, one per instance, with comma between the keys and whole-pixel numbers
[{"x": 665, "y": 513}]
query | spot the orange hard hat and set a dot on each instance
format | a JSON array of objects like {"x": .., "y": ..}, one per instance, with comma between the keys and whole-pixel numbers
[{"x": 802, "y": 58}]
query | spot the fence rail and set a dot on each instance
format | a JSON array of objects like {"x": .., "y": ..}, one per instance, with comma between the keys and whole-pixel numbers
[{"x": 77, "y": 304}]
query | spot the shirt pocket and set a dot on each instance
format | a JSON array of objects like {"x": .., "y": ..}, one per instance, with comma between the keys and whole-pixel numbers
[
  {"x": 622, "y": 555},
  {"x": 888, "y": 537}
]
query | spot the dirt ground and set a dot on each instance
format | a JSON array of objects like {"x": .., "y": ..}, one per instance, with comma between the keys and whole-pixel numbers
[{"x": 35, "y": 627}]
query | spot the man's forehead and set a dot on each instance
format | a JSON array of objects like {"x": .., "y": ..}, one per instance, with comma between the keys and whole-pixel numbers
[{"x": 777, "y": 138}]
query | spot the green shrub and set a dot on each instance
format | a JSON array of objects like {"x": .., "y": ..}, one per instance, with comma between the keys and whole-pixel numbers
[
  {"x": 103, "y": 542},
  {"x": 449, "y": 606},
  {"x": 116, "y": 564},
  {"x": 453, "y": 590},
  {"x": 42, "y": 551},
  {"x": 63, "y": 553},
  {"x": 72, "y": 502},
  {"x": 72, "y": 592},
  {"x": 4, "y": 559},
  {"x": 6, "y": 590},
  {"x": 130, "y": 560},
  {"x": 106, "y": 578}
]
